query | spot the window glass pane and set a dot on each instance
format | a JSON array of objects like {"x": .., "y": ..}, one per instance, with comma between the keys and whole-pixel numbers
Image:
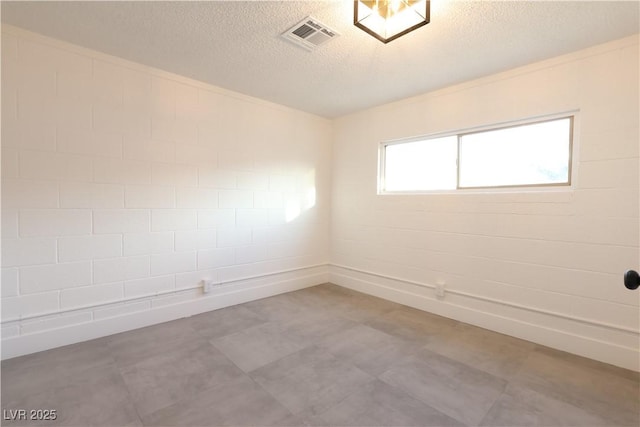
[
  {"x": 524, "y": 155},
  {"x": 421, "y": 165}
]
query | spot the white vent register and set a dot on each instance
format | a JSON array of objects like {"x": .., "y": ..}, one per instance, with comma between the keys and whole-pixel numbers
[{"x": 309, "y": 33}]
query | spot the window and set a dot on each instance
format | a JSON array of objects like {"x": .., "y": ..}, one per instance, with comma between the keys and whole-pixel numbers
[{"x": 531, "y": 154}]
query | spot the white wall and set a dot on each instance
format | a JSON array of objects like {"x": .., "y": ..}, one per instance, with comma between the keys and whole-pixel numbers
[
  {"x": 125, "y": 183},
  {"x": 542, "y": 265}
]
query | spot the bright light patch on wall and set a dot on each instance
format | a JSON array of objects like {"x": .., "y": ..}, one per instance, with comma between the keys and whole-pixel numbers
[
  {"x": 310, "y": 199},
  {"x": 302, "y": 200},
  {"x": 292, "y": 211},
  {"x": 309, "y": 186}
]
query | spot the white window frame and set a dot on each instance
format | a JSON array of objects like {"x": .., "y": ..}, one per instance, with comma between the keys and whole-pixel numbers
[{"x": 572, "y": 166}]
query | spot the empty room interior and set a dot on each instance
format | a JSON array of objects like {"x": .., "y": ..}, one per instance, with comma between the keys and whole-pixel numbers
[{"x": 320, "y": 213}]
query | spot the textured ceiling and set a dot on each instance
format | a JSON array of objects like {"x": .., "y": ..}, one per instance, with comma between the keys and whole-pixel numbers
[{"x": 236, "y": 45}]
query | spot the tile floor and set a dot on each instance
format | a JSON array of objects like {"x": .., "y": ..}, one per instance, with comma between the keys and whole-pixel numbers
[{"x": 320, "y": 356}]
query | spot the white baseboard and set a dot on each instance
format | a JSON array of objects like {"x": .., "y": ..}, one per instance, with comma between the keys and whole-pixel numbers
[
  {"x": 559, "y": 337},
  {"x": 240, "y": 292},
  {"x": 388, "y": 288}
]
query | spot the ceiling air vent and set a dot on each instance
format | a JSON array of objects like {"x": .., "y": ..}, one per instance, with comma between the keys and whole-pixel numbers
[{"x": 309, "y": 33}]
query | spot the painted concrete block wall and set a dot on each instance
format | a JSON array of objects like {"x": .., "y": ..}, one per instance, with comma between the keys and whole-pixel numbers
[
  {"x": 125, "y": 183},
  {"x": 543, "y": 265}
]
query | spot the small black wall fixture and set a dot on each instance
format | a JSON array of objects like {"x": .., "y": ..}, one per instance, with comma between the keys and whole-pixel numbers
[{"x": 631, "y": 279}]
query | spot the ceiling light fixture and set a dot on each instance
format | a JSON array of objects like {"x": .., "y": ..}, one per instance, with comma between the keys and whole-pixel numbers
[{"x": 387, "y": 20}]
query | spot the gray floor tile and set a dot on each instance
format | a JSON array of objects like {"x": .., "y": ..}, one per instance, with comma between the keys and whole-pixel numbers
[
  {"x": 280, "y": 308},
  {"x": 302, "y": 421},
  {"x": 413, "y": 325},
  {"x": 583, "y": 362},
  {"x": 225, "y": 321},
  {"x": 489, "y": 351},
  {"x": 27, "y": 375},
  {"x": 362, "y": 307},
  {"x": 369, "y": 349},
  {"x": 95, "y": 397},
  {"x": 135, "y": 346},
  {"x": 309, "y": 328},
  {"x": 310, "y": 381},
  {"x": 179, "y": 375},
  {"x": 257, "y": 346},
  {"x": 451, "y": 387},
  {"x": 321, "y": 296},
  {"x": 344, "y": 302},
  {"x": 329, "y": 290},
  {"x": 316, "y": 354},
  {"x": 585, "y": 384},
  {"x": 241, "y": 402},
  {"x": 379, "y": 404},
  {"x": 520, "y": 406}
]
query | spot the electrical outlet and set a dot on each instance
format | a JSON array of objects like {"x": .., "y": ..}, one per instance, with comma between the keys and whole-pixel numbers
[
  {"x": 207, "y": 285},
  {"x": 440, "y": 290}
]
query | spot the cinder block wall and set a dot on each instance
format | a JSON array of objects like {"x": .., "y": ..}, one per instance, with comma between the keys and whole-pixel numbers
[
  {"x": 123, "y": 185},
  {"x": 546, "y": 266}
]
